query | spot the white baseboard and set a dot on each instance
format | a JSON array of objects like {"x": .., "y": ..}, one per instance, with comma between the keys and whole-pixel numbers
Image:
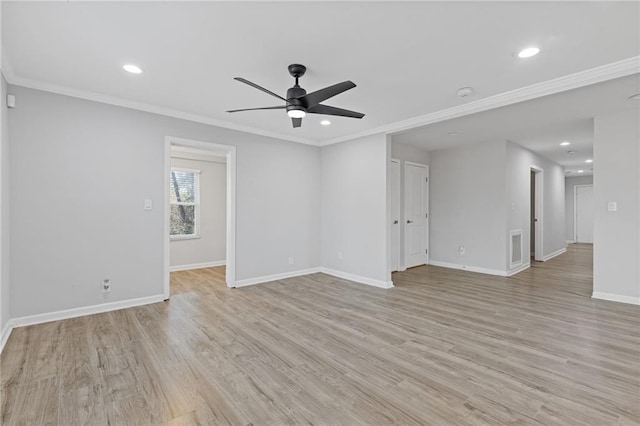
[
  {"x": 6, "y": 332},
  {"x": 518, "y": 269},
  {"x": 569, "y": 242},
  {"x": 616, "y": 298},
  {"x": 554, "y": 254},
  {"x": 177, "y": 268},
  {"x": 480, "y": 270},
  {"x": 275, "y": 277},
  {"x": 357, "y": 278},
  {"x": 87, "y": 310}
]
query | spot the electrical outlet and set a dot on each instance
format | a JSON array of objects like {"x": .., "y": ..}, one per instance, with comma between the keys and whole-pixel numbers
[
  {"x": 461, "y": 249},
  {"x": 290, "y": 260},
  {"x": 106, "y": 285}
]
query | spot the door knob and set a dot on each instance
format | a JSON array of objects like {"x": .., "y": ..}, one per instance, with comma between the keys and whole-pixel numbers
[
  {"x": 409, "y": 221},
  {"x": 395, "y": 222}
]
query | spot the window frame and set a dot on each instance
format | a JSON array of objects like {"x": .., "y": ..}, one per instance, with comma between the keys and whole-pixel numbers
[{"x": 196, "y": 204}]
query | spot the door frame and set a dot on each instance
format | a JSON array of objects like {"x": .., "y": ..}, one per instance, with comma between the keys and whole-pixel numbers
[
  {"x": 539, "y": 197},
  {"x": 425, "y": 235},
  {"x": 397, "y": 214},
  {"x": 231, "y": 205},
  {"x": 575, "y": 209}
]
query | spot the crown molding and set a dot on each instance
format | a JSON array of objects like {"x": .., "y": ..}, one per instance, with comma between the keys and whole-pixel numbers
[
  {"x": 140, "y": 106},
  {"x": 588, "y": 77}
]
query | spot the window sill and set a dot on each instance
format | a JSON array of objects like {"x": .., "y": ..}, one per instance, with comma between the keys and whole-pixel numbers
[{"x": 183, "y": 237}]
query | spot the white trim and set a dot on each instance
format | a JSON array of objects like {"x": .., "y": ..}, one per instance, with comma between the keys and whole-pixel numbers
[
  {"x": 275, "y": 277},
  {"x": 480, "y": 270},
  {"x": 230, "y": 152},
  {"x": 616, "y": 298},
  {"x": 588, "y": 77},
  {"x": 575, "y": 209},
  {"x": 569, "y": 242},
  {"x": 519, "y": 269},
  {"x": 86, "y": 310},
  {"x": 191, "y": 266},
  {"x": 140, "y": 106},
  {"x": 6, "y": 332},
  {"x": 554, "y": 254},
  {"x": 539, "y": 198},
  {"x": 398, "y": 188},
  {"x": 357, "y": 278}
]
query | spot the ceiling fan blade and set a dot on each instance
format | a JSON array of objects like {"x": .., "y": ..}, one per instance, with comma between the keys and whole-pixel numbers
[
  {"x": 314, "y": 98},
  {"x": 245, "y": 81},
  {"x": 329, "y": 110},
  {"x": 256, "y": 109},
  {"x": 297, "y": 122}
]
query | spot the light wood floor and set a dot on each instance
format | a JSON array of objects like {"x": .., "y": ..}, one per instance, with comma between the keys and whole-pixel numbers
[{"x": 442, "y": 347}]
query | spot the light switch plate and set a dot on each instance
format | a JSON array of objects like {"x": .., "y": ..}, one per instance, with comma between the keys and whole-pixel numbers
[
  {"x": 612, "y": 206},
  {"x": 148, "y": 204}
]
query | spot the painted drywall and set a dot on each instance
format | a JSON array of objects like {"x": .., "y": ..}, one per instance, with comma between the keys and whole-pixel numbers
[
  {"x": 616, "y": 234},
  {"x": 5, "y": 275},
  {"x": 518, "y": 180},
  {"x": 210, "y": 246},
  {"x": 80, "y": 173},
  {"x": 405, "y": 153},
  {"x": 354, "y": 207},
  {"x": 569, "y": 194},
  {"x": 467, "y": 204}
]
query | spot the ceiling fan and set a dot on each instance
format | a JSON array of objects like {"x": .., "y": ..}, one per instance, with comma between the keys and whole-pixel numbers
[{"x": 299, "y": 102}]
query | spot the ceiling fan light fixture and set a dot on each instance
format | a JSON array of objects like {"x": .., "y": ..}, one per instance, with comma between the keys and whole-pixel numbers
[{"x": 296, "y": 113}]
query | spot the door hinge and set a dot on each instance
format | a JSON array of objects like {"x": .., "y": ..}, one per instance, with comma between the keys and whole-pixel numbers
[
  {"x": 426, "y": 251},
  {"x": 426, "y": 180},
  {"x": 426, "y": 215}
]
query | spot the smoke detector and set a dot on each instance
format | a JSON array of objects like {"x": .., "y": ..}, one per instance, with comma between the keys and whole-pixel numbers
[{"x": 465, "y": 92}]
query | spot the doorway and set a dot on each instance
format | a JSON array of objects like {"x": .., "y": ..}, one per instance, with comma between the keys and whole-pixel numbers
[
  {"x": 416, "y": 214},
  {"x": 536, "y": 213},
  {"x": 583, "y": 214},
  {"x": 190, "y": 204}
]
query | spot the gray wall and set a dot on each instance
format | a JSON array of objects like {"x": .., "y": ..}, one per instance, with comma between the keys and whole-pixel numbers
[
  {"x": 518, "y": 181},
  {"x": 210, "y": 246},
  {"x": 467, "y": 203},
  {"x": 354, "y": 207},
  {"x": 5, "y": 292},
  {"x": 80, "y": 173},
  {"x": 569, "y": 194},
  {"x": 616, "y": 235},
  {"x": 404, "y": 153}
]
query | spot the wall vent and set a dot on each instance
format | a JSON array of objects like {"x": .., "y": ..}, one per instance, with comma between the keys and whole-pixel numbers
[{"x": 515, "y": 248}]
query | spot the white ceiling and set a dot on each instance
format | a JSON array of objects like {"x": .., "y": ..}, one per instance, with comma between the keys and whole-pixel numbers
[
  {"x": 540, "y": 124},
  {"x": 407, "y": 58}
]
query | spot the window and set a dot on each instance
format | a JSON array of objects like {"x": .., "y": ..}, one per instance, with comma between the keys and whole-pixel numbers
[{"x": 184, "y": 188}]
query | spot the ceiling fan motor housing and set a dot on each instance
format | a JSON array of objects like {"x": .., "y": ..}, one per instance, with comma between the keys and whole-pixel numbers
[{"x": 292, "y": 96}]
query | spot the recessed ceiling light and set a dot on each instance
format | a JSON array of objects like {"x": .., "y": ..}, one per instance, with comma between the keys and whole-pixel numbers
[
  {"x": 635, "y": 97},
  {"x": 528, "y": 52},
  {"x": 588, "y": 161},
  {"x": 325, "y": 122},
  {"x": 454, "y": 133},
  {"x": 133, "y": 69},
  {"x": 580, "y": 171},
  {"x": 565, "y": 143}
]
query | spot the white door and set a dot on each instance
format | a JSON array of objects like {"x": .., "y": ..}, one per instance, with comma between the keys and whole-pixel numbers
[
  {"x": 584, "y": 214},
  {"x": 416, "y": 210},
  {"x": 394, "y": 171}
]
